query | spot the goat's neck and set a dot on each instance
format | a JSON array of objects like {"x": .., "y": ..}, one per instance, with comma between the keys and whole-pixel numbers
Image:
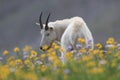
[
  {"x": 60, "y": 31},
  {"x": 60, "y": 26}
]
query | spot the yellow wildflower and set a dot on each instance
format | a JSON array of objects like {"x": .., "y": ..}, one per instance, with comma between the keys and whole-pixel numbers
[
  {"x": 54, "y": 44},
  {"x": 95, "y": 51},
  {"x": 52, "y": 58},
  {"x": 31, "y": 76},
  {"x": 96, "y": 70},
  {"x": 18, "y": 61},
  {"x": 86, "y": 58},
  {"x": 61, "y": 49},
  {"x": 16, "y": 49},
  {"x": 5, "y": 52},
  {"x": 117, "y": 54},
  {"x": 81, "y": 40},
  {"x": 90, "y": 51},
  {"x": 43, "y": 68},
  {"x": 4, "y": 72},
  {"x": 113, "y": 47},
  {"x": 98, "y": 45},
  {"x": 90, "y": 64},
  {"x": 110, "y": 41},
  {"x": 42, "y": 56},
  {"x": 33, "y": 54},
  {"x": 11, "y": 58},
  {"x": 57, "y": 62},
  {"x": 50, "y": 50},
  {"x": 57, "y": 47},
  {"x": 45, "y": 47},
  {"x": 101, "y": 51},
  {"x": 82, "y": 50},
  {"x": 27, "y": 61},
  {"x": 69, "y": 55},
  {"x": 27, "y": 48},
  {"x": 12, "y": 63},
  {"x": 101, "y": 55},
  {"x": 52, "y": 53}
]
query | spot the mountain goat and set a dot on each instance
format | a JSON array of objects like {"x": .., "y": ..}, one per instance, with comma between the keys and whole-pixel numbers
[{"x": 65, "y": 31}]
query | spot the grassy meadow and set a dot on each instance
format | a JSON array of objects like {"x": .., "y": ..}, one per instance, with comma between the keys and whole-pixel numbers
[{"x": 82, "y": 64}]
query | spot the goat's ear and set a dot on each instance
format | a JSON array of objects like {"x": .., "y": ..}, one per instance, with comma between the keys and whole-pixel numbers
[{"x": 38, "y": 24}]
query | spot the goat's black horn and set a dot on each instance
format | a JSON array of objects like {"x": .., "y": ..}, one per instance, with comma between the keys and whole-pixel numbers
[
  {"x": 46, "y": 25},
  {"x": 40, "y": 21}
]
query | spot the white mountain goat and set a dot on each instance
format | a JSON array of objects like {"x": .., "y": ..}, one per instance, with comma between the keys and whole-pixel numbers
[{"x": 65, "y": 31}]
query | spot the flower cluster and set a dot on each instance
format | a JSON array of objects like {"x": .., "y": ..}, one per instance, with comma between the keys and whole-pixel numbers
[{"x": 81, "y": 64}]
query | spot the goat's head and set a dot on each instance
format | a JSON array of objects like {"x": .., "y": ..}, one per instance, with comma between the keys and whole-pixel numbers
[{"x": 48, "y": 34}]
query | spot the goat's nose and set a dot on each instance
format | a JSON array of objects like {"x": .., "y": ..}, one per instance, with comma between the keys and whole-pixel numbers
[{"x": 41, "y": 47}]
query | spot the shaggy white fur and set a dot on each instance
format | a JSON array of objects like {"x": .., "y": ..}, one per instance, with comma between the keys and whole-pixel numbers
[{"x": 66, "y": 31}]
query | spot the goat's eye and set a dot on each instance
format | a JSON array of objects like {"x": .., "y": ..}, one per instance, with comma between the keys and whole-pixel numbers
[{"x": 47, "y": 34}]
